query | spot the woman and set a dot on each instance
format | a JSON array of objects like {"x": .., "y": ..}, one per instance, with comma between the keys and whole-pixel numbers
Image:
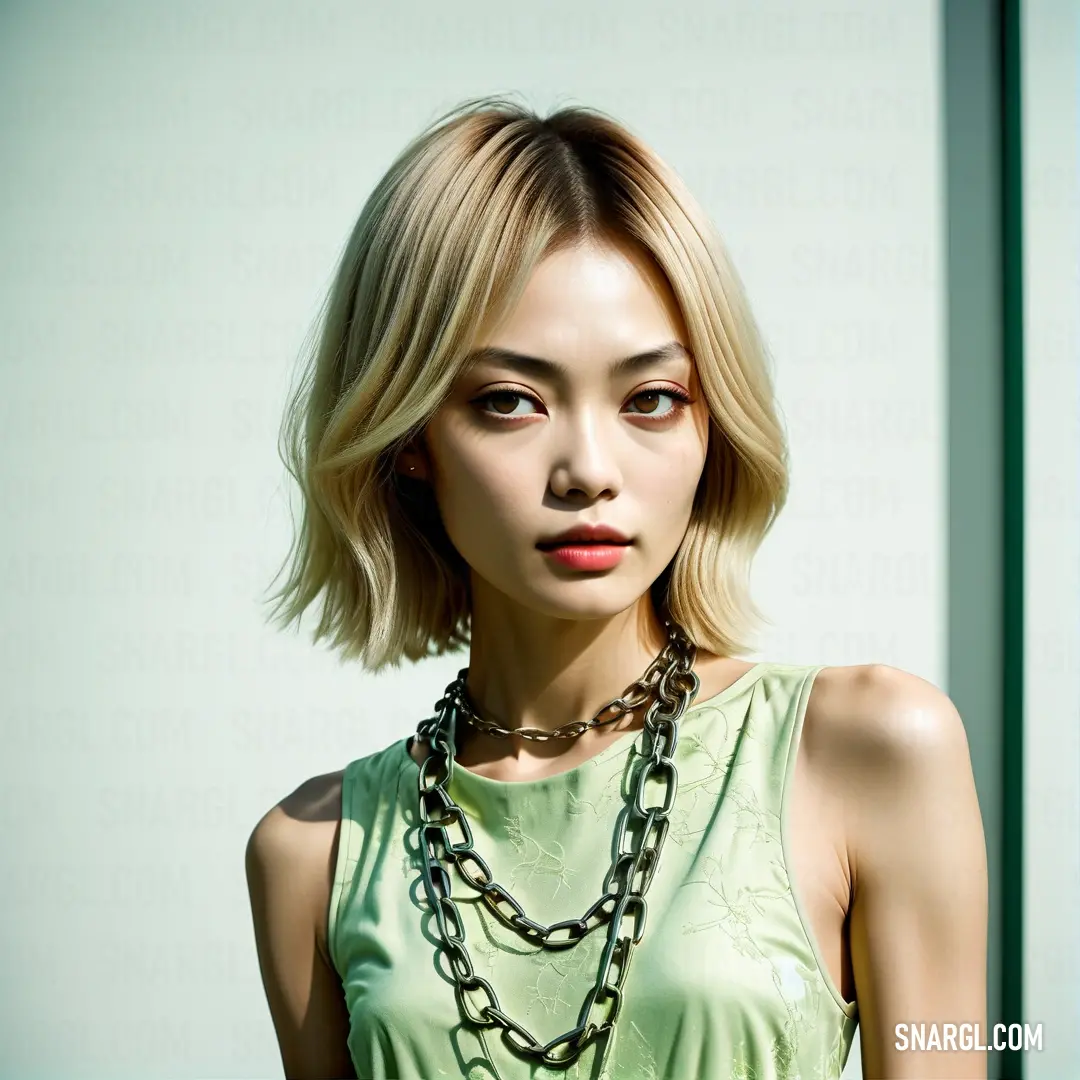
[{"x": 540, "y": 423}]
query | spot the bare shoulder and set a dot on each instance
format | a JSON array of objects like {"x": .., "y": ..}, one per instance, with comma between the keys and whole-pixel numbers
[
  {"x": 894, "y": 750},
  {"x": 290, "y": 824},
  {"x": 296, "y": 841},
  {"x": 317, "y": 800},
  {"x": 881, "y": 720},
  {"x": 289, "y": 863},
  {"x": 891, "y": 751}
]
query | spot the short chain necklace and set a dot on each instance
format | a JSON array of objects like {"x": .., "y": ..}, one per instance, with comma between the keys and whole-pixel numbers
[
  {"x": 635, "y": 695},
  {"x": 626, "y": 882}
]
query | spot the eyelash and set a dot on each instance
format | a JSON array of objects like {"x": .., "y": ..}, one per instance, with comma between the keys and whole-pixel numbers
[{"x": 682, "y": 401}]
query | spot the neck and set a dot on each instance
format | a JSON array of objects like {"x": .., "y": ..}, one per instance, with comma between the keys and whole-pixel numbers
[{"x": 528, "y": 670}]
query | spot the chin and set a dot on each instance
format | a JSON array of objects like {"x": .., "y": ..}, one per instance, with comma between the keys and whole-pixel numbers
[{"x": 594, "y": 599}]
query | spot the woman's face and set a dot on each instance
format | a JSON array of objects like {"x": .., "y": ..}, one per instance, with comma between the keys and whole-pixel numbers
[{"x": 556, "y": 436}]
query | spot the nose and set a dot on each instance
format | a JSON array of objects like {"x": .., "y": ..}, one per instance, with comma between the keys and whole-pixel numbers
[{"x": 585, "y": 461}]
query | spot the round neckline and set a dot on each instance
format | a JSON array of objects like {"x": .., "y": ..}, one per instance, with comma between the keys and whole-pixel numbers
[{"x": 748, "y": 677}]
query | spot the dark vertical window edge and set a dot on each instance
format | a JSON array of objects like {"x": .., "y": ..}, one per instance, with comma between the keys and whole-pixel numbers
[
  {"x": 1012, "y": 431},
  {"x": 985, "y": 459}
]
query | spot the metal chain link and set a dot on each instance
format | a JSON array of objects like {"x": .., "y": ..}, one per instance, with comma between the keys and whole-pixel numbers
[
  {"x": 625, "y": 885},
  {"x": 634, "y": 696}
]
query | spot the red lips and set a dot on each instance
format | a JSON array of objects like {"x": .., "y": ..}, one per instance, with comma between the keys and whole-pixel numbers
[{"x": 584, "y": 534}]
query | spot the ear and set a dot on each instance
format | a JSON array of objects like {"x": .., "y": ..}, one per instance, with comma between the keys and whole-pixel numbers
[{"x": 412, "y": 463}]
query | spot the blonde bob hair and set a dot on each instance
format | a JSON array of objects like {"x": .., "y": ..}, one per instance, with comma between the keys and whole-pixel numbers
[{"x": 442, "y": 249}]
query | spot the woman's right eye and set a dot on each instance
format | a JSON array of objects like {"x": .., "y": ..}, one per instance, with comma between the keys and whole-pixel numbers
[{"x": 500, "y": 398}]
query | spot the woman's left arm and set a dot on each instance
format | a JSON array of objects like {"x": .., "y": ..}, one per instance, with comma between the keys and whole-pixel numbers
[{"x": 918, "y": 919}]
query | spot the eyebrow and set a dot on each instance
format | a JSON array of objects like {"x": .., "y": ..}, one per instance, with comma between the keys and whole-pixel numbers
[{"x": 540, "y": 368}]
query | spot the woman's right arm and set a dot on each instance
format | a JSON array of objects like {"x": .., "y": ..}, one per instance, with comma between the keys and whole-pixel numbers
[{"x": 289, "y": 863}]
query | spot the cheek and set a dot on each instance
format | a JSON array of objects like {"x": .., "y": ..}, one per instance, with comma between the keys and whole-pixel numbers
[
  {"x": 673, "y": 480},
  {"x": 482, "y": 496}
]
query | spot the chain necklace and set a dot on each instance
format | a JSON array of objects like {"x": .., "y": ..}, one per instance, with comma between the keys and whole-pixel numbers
[
  {"x": 626, "y": 882},
  {"x": 634, "y": 696}
]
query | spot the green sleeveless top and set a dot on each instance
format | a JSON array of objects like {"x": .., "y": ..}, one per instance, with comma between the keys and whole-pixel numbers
[{"x": 727, "y": 981}]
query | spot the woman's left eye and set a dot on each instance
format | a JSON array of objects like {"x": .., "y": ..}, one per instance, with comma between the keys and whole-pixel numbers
[{"x": 678, "y": 401}]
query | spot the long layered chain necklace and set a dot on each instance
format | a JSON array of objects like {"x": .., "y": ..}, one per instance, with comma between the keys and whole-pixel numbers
[{"x": 624, "y": 886}]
